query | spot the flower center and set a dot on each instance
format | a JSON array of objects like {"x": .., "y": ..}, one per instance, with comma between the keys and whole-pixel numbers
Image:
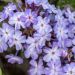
[
  {"x": 70, "y": 72},
  {"x": 6, "y": 32},
  {"x": 53, "y": 53}
]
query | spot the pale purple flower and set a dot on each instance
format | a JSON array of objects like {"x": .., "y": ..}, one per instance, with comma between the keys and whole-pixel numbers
[
  {"x": 42, "y": 25},
  {"x": 73, "y": 49},
  {"x": 33, "y": 1},
  {"x": 44, "y": 3},
  {"x": 9, "y": 9},
  {"x": 59, "y": 18},
  {"x": 70, "y": 15},
  {"x": 43, "y": 38},
  {"x": 3, "y": 16},
  {"x": 72, "y": 29},
  {"x": 32, "y": 48},
  {"x": 68, "y": 42},
  {"x": 69, "y": 69},
  {"x": 52, "y": 54},
  {"x": 61, "y": 43},
  {"x": 64, "y": 52},
  {"x": 52, "y": 9},
  {"x": 53, "y": 69},
  {"x": 30, "y": 17},
  {"x": 17, "y": 39},
  {"x": 73, "y": 41},
  {"x": 40, "y": 30},
  {"x": 6, "y": 31},
  {"x": 3, "y": 45},
  {"x": 61, "y": 32},
  {"x": 36, "y": 68},
  {"x": 14, "y": 59},
  {"x": 16, "y": 21}
]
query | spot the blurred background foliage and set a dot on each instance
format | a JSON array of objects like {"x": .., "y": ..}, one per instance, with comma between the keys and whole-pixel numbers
[
  {"x": 63, "y": 3},
  {"x": 20, "y": 69},
  {"x": 0, "y": 71}
]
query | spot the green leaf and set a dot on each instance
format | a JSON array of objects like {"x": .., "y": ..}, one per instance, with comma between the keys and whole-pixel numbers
[{"x": 0, "y": 71}]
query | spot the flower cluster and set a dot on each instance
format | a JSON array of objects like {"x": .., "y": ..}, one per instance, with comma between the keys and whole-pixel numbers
[{"x": 41, "y": 33}]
